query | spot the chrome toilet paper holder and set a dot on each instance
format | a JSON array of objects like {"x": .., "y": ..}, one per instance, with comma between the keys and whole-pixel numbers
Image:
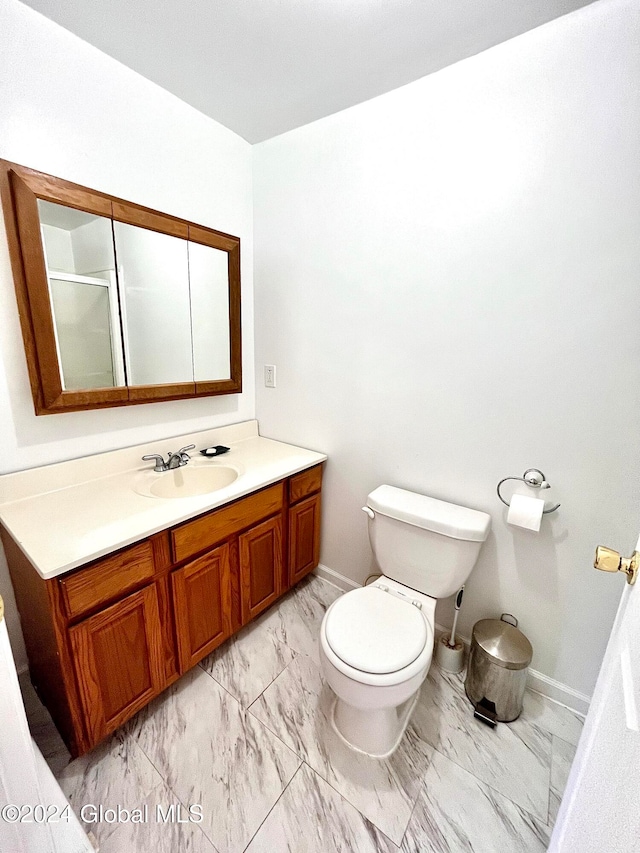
[{"x": 532, "y": 477}]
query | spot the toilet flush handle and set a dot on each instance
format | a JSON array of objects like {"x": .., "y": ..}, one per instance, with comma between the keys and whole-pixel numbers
[{"x": 369, "y": 511}]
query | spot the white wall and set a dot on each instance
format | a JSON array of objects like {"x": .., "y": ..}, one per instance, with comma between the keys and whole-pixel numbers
[
  {"x": 92, "y": 247},
  {"x": 447, "y": 280},
  {"x": 69, "y": 110},
  {"x": 59, "y": 248}
]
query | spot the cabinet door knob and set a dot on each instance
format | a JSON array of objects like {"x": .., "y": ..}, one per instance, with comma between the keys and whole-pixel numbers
[{"x": 608, "y": 560}]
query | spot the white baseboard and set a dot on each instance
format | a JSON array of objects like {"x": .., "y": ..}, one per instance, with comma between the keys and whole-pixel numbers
[
  {"x": 558, "y": 692},
  {"x": 341, "y": 581},
  {"x": 548, "y": 687}
]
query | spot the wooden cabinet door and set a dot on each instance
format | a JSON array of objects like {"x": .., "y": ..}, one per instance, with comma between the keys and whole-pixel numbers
[
  {"x": 117, "y": 655},
  {"x": 261, "y": 559},
  {"x": 304, "y": 537},
  {"x": 202, "y": 605}
]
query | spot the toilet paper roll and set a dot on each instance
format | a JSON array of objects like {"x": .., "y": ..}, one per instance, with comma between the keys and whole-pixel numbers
[{"x": 526, "y": 512}]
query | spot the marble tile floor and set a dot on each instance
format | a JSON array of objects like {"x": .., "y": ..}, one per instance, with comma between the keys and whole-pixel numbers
[{"x": 246, "y": 736}]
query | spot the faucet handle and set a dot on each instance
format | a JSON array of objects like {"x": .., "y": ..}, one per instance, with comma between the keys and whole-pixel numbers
[
  {"x": 160, "y": 463},
  {"x": 182, "y": 453}
]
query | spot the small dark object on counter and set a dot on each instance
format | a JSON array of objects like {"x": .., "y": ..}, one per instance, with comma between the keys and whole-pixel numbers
[{"x": 218, "y": 450}]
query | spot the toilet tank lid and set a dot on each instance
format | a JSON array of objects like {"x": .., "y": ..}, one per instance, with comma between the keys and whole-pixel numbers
[{"x": 457, "y": 522}]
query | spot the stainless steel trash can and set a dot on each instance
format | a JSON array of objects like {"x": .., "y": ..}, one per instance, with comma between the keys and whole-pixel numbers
[{"x": 497, "y": 670}]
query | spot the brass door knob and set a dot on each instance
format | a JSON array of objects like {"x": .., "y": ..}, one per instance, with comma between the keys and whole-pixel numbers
[{"x": 608, "y": 560}]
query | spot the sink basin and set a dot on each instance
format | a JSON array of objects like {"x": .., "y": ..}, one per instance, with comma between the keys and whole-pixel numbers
[{"x": 187, "y": 481}]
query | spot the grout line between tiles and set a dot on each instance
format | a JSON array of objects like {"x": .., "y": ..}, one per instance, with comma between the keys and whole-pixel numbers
[
  {"x": 487, "y": 785},
  {"x": 574, "y": 746},
  {"x": 420, "y": 787},
  {"x": 253, "y": 702},
  {"x": 276, "y": 736},
  {"x": 347, "y": 800},
  {"x": 273, "y": 806},
  {"x": 222, "y": 687},
  {"x": 549, "y": 824},
  {"x": 165, "y": 782}
]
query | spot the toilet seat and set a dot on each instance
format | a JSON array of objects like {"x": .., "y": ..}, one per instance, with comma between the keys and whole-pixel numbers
[
  {"x": 376, "y": 632},
  {"x": 388, "y": 679}
]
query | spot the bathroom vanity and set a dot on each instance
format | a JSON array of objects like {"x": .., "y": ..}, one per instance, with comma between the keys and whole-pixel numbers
[{"x": 120, "y": 591}]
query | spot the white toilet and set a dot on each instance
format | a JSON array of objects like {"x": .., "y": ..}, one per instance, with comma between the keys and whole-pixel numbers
[{"x": 376, "y": 642}]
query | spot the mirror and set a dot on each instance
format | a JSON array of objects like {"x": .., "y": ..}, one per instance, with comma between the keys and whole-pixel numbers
[{"x": 119, "y": 304}]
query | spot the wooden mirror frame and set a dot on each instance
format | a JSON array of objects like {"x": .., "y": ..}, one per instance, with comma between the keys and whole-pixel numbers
[{"x": 20, "y": 189}]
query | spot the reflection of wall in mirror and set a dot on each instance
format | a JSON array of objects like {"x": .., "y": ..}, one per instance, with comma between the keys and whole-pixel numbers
[
  {"x": 93, "y": 247},
  {"x": 75, "y": 241},
  {"x": 153, "y": 277},
  {"x": 58, "y": 248},
  {"x": 209, "y": 282}
]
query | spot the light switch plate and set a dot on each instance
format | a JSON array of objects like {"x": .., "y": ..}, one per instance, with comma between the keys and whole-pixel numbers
[{"x": 269, "y": 376}]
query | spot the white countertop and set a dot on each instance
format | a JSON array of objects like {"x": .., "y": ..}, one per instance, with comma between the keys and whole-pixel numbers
[{"x": 70, "y": 513}]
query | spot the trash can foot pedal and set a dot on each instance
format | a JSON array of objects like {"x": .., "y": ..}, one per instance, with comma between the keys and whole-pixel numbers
[{"x": 485, "y": 711}]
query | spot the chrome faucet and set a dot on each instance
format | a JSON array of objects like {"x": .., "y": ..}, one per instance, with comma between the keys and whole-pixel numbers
[{"x": 174, "y": 460}]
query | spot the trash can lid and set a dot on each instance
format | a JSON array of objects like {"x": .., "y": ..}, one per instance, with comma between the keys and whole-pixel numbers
[{"x": 503, "y": 643}]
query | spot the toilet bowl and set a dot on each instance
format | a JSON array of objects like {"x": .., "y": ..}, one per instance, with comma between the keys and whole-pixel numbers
[
  {"x": 376, "y": 645},
  {"x": 376, "y": 642}
]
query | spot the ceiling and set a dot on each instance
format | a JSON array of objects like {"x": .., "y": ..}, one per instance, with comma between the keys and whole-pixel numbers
[{"x": 262, "y": 67}]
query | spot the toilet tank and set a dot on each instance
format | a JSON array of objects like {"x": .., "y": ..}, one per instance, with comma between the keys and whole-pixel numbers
[{"x": 424, "y": 543}]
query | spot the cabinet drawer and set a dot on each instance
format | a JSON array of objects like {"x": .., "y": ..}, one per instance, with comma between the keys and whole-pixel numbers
[
  {"x": 196, "y": 536},
  {"x": 305, "y": 483},
  {"x": 107, "y": 579}
]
